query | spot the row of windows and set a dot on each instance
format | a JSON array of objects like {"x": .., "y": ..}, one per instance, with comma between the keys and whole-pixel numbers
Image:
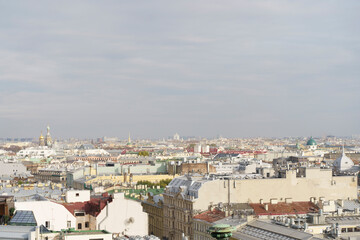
[
  {"x": 178, "y": 203},
  {"x": 200, "y": 227},
  {"x": 79, "y": 226}
]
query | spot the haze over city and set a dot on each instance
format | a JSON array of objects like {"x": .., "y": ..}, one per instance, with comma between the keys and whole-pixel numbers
[{"x": 153, "y": 68}]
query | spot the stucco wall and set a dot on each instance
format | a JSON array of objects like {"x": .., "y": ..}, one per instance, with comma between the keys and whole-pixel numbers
[
  {"x": 77, "y": 196},
  {"x": 116, "y": 217},
  {"x": 317, "y": 183},
  {"x": 44, "y": 211}
]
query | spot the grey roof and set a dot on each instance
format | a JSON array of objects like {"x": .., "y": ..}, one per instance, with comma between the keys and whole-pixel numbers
[
  {"x": 87, "y": 146},
  {"x": 266, "y": 230},
  {"x": 348, "y": 205},
  {"x": 37, "y": 194},
  {"x": 189, "y": 185},
  {"x": 344, "y": 220},
  {"x": 15, "y": 232},
  {"x": 226, "y": 155}
]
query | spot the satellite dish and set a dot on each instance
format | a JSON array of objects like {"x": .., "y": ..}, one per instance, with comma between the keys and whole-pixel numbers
[{"x": 130, "y": 220}]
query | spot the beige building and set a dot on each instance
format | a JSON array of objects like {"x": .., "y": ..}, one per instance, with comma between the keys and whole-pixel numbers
[
  {"x": 153, "y": 206},
  {"x": 188, "y": 195},
  {"x": 50, "y": 174}
]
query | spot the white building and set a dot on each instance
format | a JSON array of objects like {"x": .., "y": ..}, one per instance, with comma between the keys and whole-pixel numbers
[
  {"x": 13, "y": 169},
  {"x": 96, "y": 151},
  {"x": 343, "y": 163},
  {"x": 72, "y": 196},
  {"x": 36, "y": 233},
  {"x": 52, "y": 215},
  {"x": 37, "y": 152},
  {"x": 123, "y": 216}
]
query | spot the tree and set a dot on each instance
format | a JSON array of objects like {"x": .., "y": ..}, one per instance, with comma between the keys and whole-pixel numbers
[{"x": 144, "y": 153}]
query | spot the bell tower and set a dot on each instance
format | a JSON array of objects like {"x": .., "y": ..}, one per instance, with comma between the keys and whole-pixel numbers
[{"x": 48, "y": 140}]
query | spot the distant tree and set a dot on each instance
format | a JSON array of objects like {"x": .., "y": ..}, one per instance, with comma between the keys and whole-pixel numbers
[
  {"x": 13, "y": 148},
  {"x": 144, "y": 153},
  {"x": 163, "y": 183}
]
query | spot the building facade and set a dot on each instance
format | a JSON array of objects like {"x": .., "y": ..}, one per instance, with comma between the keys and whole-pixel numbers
[{"x": 186, "y": 196}]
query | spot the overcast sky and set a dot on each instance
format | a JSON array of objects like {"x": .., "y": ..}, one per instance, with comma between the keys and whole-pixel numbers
[{"x": 200, "y": 68}]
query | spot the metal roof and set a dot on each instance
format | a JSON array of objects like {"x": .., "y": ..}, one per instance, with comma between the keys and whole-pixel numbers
[
  {"x": 23, "y": 218},
  {"x": 265, "y": 230}
]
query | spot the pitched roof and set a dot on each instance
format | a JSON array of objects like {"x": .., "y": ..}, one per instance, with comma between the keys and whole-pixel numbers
[{"x": 92, "y": 207}]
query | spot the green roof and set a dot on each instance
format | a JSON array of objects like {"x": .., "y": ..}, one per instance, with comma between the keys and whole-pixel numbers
[{"x": 310, "y": 142}]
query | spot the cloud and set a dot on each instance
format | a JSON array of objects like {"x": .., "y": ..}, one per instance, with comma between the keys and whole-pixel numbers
[{"x": 201, "y": 68}]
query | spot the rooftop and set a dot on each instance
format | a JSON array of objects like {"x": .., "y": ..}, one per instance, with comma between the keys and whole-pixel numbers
[
  {"x": 211, "y": 216},
  {"x": 266, "y": 230},
  {"x": 92, "y": 207},
  {"x": 282, "y": 208},
  {"x": 23, "y": 218}
]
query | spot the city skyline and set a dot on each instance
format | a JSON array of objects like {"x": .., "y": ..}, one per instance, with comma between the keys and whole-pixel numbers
[{"x": 201, "y": 68}]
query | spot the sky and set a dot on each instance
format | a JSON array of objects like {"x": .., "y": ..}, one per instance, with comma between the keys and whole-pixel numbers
[{"x": 197, "y": 68}]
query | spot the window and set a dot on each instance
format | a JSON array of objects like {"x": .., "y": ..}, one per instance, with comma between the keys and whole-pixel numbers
[
  {"x": 68, "y": 224},
  {"x": 86, "y": 224},
  {"x": 79, "y": 226},
  {"x": 47, "y": 224},
  {"x": 77, "y": 194},
  {"x": 79, "y": 214}
]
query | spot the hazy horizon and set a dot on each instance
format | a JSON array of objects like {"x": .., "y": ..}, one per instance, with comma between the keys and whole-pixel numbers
[{"x": 198, "y": 68}]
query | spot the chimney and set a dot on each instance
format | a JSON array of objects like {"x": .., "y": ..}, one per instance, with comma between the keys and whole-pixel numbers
[{"x": 266, "y": 207}]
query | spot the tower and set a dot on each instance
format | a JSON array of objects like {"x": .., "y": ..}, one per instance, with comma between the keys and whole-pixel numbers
[
  {"x": 343, "y": 162},
  {"x": 41, "y": 140},
  {"x": 129, "y": 144},
  {"x": 48, "y": 140}
]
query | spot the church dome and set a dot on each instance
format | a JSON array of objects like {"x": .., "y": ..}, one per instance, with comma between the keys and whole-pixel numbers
[
  {"x": 343, "y": 162},
  {"x": 311, "y": 142}
]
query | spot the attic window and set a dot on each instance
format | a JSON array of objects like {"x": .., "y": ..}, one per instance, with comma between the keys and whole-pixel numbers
[{"x": 79, "y": 214}]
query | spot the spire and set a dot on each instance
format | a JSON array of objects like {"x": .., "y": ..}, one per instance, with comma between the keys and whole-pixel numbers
[
  {"x": 48, "y": 140},
  {"x": 129, "y": 139},
  {"x": 343, "y": 149}
]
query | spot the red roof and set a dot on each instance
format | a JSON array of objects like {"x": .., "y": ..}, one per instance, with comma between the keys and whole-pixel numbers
[
  {"x": 211, "y": 216},
  {"x": 92, "y": 207},
  {"x": 285, "y": 208}
]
